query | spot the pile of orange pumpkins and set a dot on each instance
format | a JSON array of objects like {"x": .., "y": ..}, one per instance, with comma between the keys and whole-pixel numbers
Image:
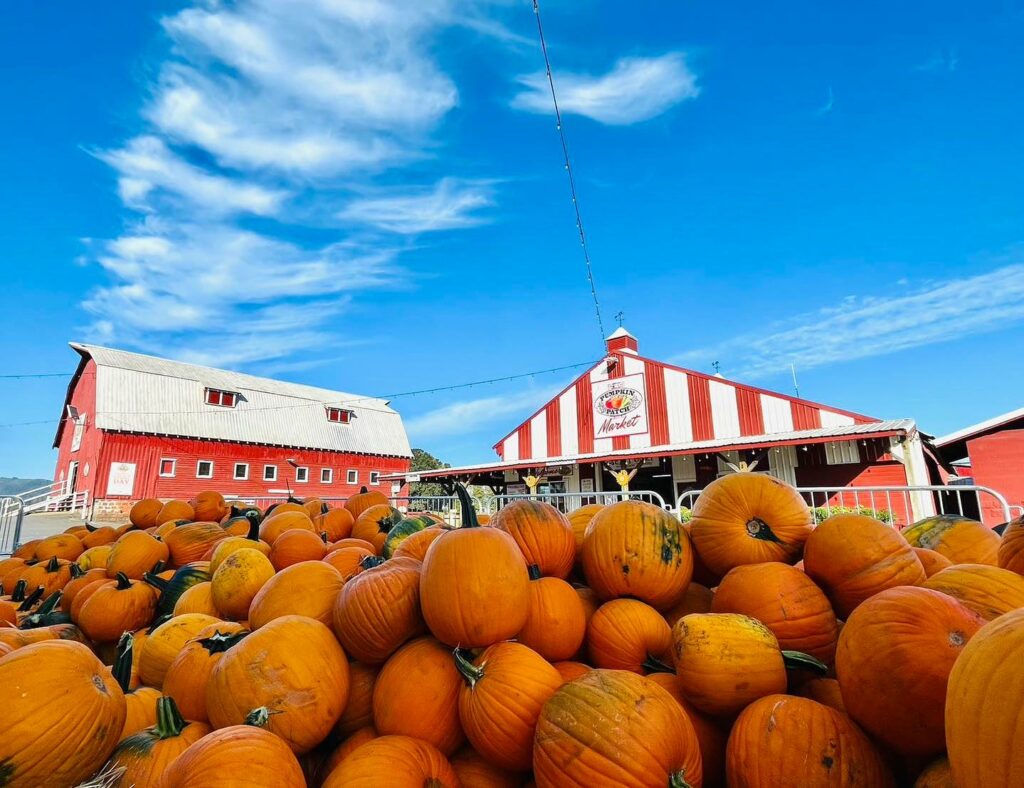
[{"x": 208, "y": 643}]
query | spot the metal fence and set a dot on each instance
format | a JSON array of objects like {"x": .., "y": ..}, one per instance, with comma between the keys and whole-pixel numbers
[
  {"x": 570, "y": 502},
  {"x": 899, "y": 505},
  {"x": 12, "y": 511}
]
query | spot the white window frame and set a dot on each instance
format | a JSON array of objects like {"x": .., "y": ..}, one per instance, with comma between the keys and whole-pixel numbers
[
  {"x": 344, "y": 415},
  {"x": 375, "y": 478},
  {"x": 202, "y": 476},
  {"x": 329, "y": 473},
  {"x": 304, "y": 468},
  {"x": 269, "y": 478},
  {"x": 221, "y": 394},
  {"x": 174, "y": 468},
  {"x": 352, "y": 476},
  {"x": 234, "y": 472}
]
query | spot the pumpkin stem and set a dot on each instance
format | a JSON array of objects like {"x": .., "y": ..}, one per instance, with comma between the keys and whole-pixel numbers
[
  {"x": 797, "y": 660},
  {"x": 363, "y": 490},
  {"x": 50, "y": 603},
  {"x": 370, "y": 561},
  {"x": 655, "y": 665},
  {"x": 254, "y": 530},
  {"x": 157, "y": 582},
  {"x": 259, "y": 718},
  {"x": 678, "y": 780},
  {"x": 324, "y": 508},
  {"x": 534, "y": 571},
  {"x": 463, "y": 662},
  {"x": 90, "y": 527},
  {"x": 218, "y": 642},
  {"x": 123, "y": 582},
  {"x": 759, "y": 529},
  {"x": 76, "y": 571},
  {"x": 169, "y": 722},
  {"x": 323, "y": 535},
  {"x": 158, "y": 567},
  {"x": 31, "y": 599},
  {"x": 18, "y": 594},
  {"x": 466, "y": 503},
  {"x": 122, "y": 669},
  {"x": 53, "y": 565}
]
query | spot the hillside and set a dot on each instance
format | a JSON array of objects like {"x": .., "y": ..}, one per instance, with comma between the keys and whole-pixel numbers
[{"x": 12, "y": 485}]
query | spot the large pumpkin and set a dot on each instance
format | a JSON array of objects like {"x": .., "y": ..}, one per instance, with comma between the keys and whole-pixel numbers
[
  {"x": 579, "y": 519},
  {"x": 222, "y": 758},
  {"x": 415, "y": 545},
  {"x": 144, "y": 513},
  {"x": 209, "y": 505},
  {"x": 853, "y": 557},
  {"x": 336, "y": 523},
  {"x": 279, "y": 522},
  {"x": 987, "y": 590},
  {"x": 295, "y": 546},
  {"x": 378, "y": 610},
  {"x": 475, "y": 771},
  {"x": 711, "y": 733},
  {"x": 417, "y": 694},
  {"x": 556, "y": 623},
  {"x": 135, "y": 553},
  {"x": 786, "y": 601},
  {"x": 117, "y": 606},
  {"x": 983, "y": 707},
  {"x": 931, "y": 561},
  {"x": 395, "y": 761},
  {"x": 189, "y": 673},
  {"x": 474, "y": 584},
  {"x": 626, "y": 634},
  {"x": 501, "y": 699},
  {"x": 749, "y": 518},
  {"x": 290, "y": 675},
  {"x": 783, "y": 740},
  {"x": 164, "y": 642},
  {"x": 697, "y": 599},
  {"x": 197, "y": 599},
  {"x": 237, "y": 581},
  {"x": 64, "y": 546},
  {"x": 637, "y": 549},
  {"x": 363, "y": 500},
  {"x": 62, "y": 715},
  {"x": 306, "y": 589},
  {"x": 192, "y": 541},
  {"x": 174, "y": 510},
  {"x": 961, "y": 539},
  {"x": 893, "y": 661},
  {"x": 374, "y": 524},
  {"x": 542, "y": 533},
  {"x": 645, "y": 737},
  {"x": 1011, "y": 548},
  {"x": 358, "y": 711},
  {"x": 145, "y": 756}
]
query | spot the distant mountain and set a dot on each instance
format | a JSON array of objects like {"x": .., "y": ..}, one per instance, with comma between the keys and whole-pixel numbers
[{"x": 12, "y": 485}]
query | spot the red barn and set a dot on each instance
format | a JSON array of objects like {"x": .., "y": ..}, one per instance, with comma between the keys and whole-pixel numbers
[
  {"x": 991, "y": 453},
  {"x": 680, "y": 429},
  {"x": 137, "y": 426}
]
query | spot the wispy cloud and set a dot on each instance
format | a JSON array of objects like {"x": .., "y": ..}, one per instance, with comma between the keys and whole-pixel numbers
[
  {"x": 866, "y": 327},
  {"x": 466, "y": 415},
  {"x": 448, "y": 205},
  {"x": 830, "y": 102},
  {"x": 945, "y": 60},
  {"x": 636, "y": 89}
]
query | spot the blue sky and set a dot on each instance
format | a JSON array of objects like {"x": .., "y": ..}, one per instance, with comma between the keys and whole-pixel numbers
[{"x": 369, "y": 195}]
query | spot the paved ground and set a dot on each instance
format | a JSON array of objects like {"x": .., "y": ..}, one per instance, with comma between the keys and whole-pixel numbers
[{"x": 38, "y": 526}]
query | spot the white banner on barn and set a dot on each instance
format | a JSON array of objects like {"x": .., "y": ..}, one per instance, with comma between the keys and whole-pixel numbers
[
  {"x": 620, "y": 406},
  {"x": 122, "y": 478}
]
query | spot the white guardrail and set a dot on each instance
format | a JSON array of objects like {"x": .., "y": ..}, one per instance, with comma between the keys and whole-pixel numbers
[{"x": 12, "y": 511}]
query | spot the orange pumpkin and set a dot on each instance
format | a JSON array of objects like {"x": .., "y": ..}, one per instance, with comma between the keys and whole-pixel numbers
[
  {"x": 749, "y": 518},
  {"x": 237, "y": 581},
  {"x": 378, "y": 610},
  {"x": 698, "y": 599},
  {"x": 164, "y": 642},
  {"x": 657, "y": 746},
  {"x": 290, "y": 676},
  {"x": 279, "y": 522},
  {"x": 348, "y": 561},
  {"x": 570, "y": 670},
  {"x": 336, "y": 523},
  {"x": 174, "y": 510},
  {"x": 197, "y": 598},
  {"x": 63, "y": 713},
  {"x": 220, "y": 757},
  {"x": 191, "y": 542},
  {"x": 415, "y": 545},
  {"x": 306, "y": 589},
  {"x": 63, "y": 546},
  {"x": 231, "y": 544},
  {"x": 786, "y": 601},
  {"x": 474, "y": 585},
  {"x": 363, "y": 500},
  {"x": 358, "y": 711},
  {"x": 937, "y": 774},
  {"x": 626, "y": 634},
  {"x": 19, "y": 638},
  {"x": 894, "y": 658},
  {"x": 296, "y": 546},
  {"x": 348, "y": 745},
  {"x": 636, "y": 549},
  {"x": 144, "y": 513},
  {"x": 783, "y": 740},
  {"x": 417, "y": 694},
  {"x": 983, "y": 706},
  {"x": 209, "y": 505},
  {"x": 1011, "y": 549},
  {"x": 117, "y": 606},
  {"x": 542, "y": 533},
  {"x": 100, "y": 536},
  {"x": 134, "y": 554},
  {"x": 406, "y": 761},
  {"x": 931, "y": 561},
  {"x": 823, "y": 690},
  {"x": 144, "y": 756},
  {"x": 52, "y": 575},
  {"x": 475, "y": 771},
  {"x": 189, "y": 673},
  {"x": 987, "y": 590},
  {"x": 579, "y": 519},
  {"x": 95, "y": 557},
  {"x": 556, "y": 623},
  {"x": 853, "y": 557},
  {"x": 374, "y": 524},
  {"x": 711, "y": 733},
  {"x": 961, "y": 539}
]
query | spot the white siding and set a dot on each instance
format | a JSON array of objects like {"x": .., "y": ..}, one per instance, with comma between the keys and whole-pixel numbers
[
  {"x": 841, "y": 452},
  {"x": 597, "y": 375},
  {"x": 830, "y": 419},
  {"x": 677, "y": 400},
  {"x": 725, "y": 415},
  {"x": 635, "y": 366},
  {"x": 782, "y": 462},
  {"x": 567, "y": 422},
  {"x": 724, "y": 458},
  {"x": 511, "y": 453},
  {"x": 777, "y": 413},
  {"x": 684, "y": 468},
  {"x": 539, "y": 435}
]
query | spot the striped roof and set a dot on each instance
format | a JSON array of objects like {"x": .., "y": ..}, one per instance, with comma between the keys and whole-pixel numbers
[{"x": 151, "y": 395}]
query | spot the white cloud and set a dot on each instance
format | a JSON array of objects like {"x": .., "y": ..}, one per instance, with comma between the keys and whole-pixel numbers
[
  {"x": 866, "y": 327},
  {"x": 636, "y": 89},
  {"x": 448, "y": 205},
  {"x": 466, "y": 415}
]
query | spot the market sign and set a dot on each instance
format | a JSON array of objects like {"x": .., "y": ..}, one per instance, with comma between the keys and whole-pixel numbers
[
  {"x": 620, "y": 406},
  {"x": 121, "y": 480}
]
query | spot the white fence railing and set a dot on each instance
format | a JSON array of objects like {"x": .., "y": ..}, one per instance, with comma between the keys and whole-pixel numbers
[
  {"x": 569, "y": 502},
  {"x": 900, "y": 505},
  {"x": 12, "y": 511}
]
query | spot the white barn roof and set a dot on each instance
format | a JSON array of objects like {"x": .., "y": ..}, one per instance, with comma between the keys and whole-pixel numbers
[{"x": 146, "y": 394}]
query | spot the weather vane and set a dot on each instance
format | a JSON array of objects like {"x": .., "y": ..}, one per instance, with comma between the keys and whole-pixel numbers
[
  {"x": 715, "y": 365},
  {"x": 619, "y": 316}
]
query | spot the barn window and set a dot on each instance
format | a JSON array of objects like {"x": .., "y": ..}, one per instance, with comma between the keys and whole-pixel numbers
[
  {"x": 374, "y": 477},
  {"x": 204, "y": 469},
  {"x": 326, "y": 476},
  {"x": 270, "y": 473},
  {"x": 221, "y": 398},
  {"x": 339, "y": 415},
  {"x": 167, "y": 467},
  {"x": 302, "y": 474},
  {"x": 352, "y": 477},
  {"x": 241, "y": 471}
]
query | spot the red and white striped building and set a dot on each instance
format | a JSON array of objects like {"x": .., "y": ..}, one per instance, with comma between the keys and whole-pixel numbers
[{"x": 682, "y": 429}]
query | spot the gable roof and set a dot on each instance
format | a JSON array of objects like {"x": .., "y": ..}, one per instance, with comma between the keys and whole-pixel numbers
[{"x": 146, "y": 394}]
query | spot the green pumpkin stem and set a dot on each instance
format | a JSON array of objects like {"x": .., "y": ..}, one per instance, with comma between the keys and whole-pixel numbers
[
  {"x": 323, "y": 535},
  {"x": 759, "y": 529},
  {"x": 218, "y": 642},
  {"x": 50, "y": 604},
  {"x": 31, "y": 599},
  {"x": 123, "y": 661},
  {"x": 169, "y": 722},
  {"x": 53, "y": 565},
  {"x": 157, "y": 582},
  {"x": 123, "y": 582},
  {"x": 90, "y": 527},
  {"x": 370, "y": 561},
  {"x": 76, "y": 571},
  {"x": 464, "y": 664},
  {"x": 259, "y": 718},
  {"x": 797, "y": 660},
  {"x": 534, "y": 571},
  {"x": 254, "y": 530},
  {"x": 18, "y": 594},
  {"x": 158, "y": 567},
  {"x": 363, "y": 490},
  {"x": 655, "y": 665},
  {"x": 466, "y": 503},
  {"x": 678, "y": 780}
]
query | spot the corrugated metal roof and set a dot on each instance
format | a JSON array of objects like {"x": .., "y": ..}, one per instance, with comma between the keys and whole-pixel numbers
[
  {"x": 893, "y": 426},
  {"x": 139, "y": 393},
  {"x": 981, "y": 426}
]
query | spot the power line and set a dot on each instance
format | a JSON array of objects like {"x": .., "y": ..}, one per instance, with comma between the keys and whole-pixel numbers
[{"x": 568, "y": 169}]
